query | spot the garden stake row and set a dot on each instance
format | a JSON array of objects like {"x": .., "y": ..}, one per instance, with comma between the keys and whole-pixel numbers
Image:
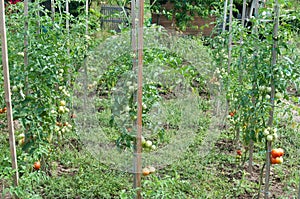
[{"x": 8, "y": 95}]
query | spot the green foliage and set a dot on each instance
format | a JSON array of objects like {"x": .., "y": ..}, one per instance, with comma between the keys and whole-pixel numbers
[
  {"x": 249, "y": 80},
  {"x": 41, "y": 89}
]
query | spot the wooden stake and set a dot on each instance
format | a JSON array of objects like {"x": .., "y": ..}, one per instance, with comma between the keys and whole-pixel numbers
[
  {"x": 138, "y": 152},
  {"x": 271, "y": 113},
  {"x": 251, "y": 144},
  {"x": 225, "y": 16},
  {"x": 230, "y": 36},
  {"x": 133, "y": 35},
  {"x": 87, "y": 17},
  {"x": 52, "y": 10},
  {"x": 68, "y": 25},
  {"x": 26, "y": 40},
  {"x": 8, "y": 95},
  {"x": 136, "y": 176},
  {"x": 237, "y": 136}
]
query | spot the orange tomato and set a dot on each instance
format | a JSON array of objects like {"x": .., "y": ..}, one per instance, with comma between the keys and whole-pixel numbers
[
  {"x": 145, "y": 171},
  {"x": 59, "y": 124},
  {"x": 277, "y": 160},
  {"x": 277, "y": 152}
]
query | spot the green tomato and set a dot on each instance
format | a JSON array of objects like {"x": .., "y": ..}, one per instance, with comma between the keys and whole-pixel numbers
[
  {"x": 278, "y": 95},
  {"x": 126, "y": 108},
  {"x": 143, "y": 141},
  {"x": 270, "y": 138},
  {"x": 266, "y": 132},
  {"x": 261, "y": 88},
  {"x": 148, "y": 143},
  {"x": 153, "y": 147},
  {"x": 61, "y": 109},
  {"x": 15, "y": 89},
  {"x": 62, "y": 103},
  {"x": 275, "y": 136}
]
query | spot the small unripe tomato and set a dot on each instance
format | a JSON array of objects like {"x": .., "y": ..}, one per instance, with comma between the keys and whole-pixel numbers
[
  {"x": 270, "y": 138},
  {"x": 148, "y": 143},
  {"x": 151, "y": 169},
  {"x": 62, "y": 103}
]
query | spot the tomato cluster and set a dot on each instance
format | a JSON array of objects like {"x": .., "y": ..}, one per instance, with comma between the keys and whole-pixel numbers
[
  {"x": 3, "y": 110},
  {"x": 276, "y": 156},
  {"x": 148, "y": 170}
]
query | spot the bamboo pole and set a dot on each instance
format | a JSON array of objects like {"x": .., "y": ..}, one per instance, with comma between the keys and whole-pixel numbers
[
  {"x": 225, "y": 16},
  {"x": 8, "y": 95},
  {"x": 251, "y": 144},
  {"x": 230, "y": 36},
  {"x": 133, "y": 34},
  {"x": 237, "y": 137},
  {"x": 68, "y": 25},
  {"x": 271, "y": 113},
  {"x": 26, "y": 35},
  {"x": 87, "y": 17},
  {"x": 136, "y": 176},
  {"x": 38, "y": 31},
  {"x": 52, "y": 10},
  {"x": 138, "y": 150},
  {"x": 85, "y": 84}
]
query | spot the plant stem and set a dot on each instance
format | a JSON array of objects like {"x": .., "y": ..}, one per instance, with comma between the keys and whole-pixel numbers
[
  {"x": 251, "y": 148},
  {"x": 260, "y": 180},
  {"x": 299, "y": 191}
]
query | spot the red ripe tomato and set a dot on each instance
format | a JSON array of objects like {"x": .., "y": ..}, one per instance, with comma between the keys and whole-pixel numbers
[
  {"x": 239, "y": 152},
  {"x": 277, "y": 152},
  {"x": 37, "y": 165}
]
